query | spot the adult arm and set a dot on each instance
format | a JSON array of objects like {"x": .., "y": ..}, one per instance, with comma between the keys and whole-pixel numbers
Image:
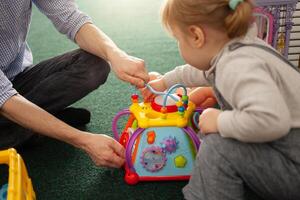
[
  {"x": 127, "y": 68},
  {"x": 103, "y": 150},
  {"x": 78, "y": 27}
]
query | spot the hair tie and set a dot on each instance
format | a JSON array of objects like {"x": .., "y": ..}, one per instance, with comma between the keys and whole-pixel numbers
[{"x": 234, "y": 3}]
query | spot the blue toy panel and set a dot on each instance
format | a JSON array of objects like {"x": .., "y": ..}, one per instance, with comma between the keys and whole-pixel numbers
[{"x": 184, "y": 152}]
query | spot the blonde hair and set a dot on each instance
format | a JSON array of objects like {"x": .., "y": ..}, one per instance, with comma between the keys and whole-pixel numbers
[{"x": 216, "y": 13}]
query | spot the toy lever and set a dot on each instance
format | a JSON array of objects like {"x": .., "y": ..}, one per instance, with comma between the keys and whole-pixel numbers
[{"x": 115, "y": 122}]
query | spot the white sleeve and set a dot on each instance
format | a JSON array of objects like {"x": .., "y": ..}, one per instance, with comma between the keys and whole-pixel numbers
[{"x": 187, "y": 75}]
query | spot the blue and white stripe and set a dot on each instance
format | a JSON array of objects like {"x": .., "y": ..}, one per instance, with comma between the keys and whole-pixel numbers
[{"x": 15, "y": 17}]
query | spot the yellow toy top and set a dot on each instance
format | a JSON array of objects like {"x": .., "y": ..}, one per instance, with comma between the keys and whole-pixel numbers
[{"x": 148, "y": 117}]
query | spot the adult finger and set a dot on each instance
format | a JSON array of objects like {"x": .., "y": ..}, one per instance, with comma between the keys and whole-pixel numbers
[
  {"x": 134, "y": 80},
  {"x": 118, "y": 149},
  {"x": 115, "y": 161},
  {"x": 108, "y": 164},
  {"x": 142, "y": 74}
]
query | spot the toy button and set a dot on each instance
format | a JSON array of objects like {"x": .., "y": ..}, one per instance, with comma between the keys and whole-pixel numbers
[
  {"x": 163, "y": 110},
  {"x": 180, "y": 161},
  {"x": 151, "y": 137}
]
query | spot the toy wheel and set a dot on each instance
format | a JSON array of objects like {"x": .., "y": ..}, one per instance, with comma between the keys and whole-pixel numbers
[{"x": 131, "y": 178}]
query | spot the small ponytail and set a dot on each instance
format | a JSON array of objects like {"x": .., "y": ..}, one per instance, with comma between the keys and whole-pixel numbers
[{"x": 238, "y": 20}]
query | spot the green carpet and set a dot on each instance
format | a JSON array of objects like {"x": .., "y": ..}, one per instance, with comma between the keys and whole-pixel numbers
[{"x": 59, "y": 171}]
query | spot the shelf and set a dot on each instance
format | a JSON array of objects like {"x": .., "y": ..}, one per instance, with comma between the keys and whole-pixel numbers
[{"x": 275, "y": 2}]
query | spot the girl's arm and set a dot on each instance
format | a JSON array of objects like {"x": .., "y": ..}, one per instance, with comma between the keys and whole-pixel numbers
[
  {"x": 260, "y": 113},
  {"x": 187, "y": 75}
]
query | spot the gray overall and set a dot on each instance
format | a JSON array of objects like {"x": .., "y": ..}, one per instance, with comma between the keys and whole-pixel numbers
[{"x": 227, "y": 169}]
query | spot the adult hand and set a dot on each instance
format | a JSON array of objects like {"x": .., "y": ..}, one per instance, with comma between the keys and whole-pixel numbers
[
  {"x": 208, "y": 121},
  {"x": 157, "y": 84},
  {"x": 129, "y": 68},
  {"x": 103, "y": 150}
]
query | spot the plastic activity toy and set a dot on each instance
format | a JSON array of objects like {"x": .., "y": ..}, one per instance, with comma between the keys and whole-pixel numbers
[
  {"x": 19, "y": 185},
  {"x": 159, "y": 137}
]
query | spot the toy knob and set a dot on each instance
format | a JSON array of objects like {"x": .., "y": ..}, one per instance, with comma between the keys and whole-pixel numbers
[
  {"x": 179, "y": 104},
  {"x": 135, "y": 96},
  {"x": 181, "y": 109},
  {"x": 163, "y": 110},
  {"x": 131, "y": 178}
]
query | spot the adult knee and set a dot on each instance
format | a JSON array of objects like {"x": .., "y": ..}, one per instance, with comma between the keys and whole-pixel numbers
[{"x": 96, "y": 72}]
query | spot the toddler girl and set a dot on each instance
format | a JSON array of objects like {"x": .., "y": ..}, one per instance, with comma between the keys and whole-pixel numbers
[{"x": 252, "y": 144}]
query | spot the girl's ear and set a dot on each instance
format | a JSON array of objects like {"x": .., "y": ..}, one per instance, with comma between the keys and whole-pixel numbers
[{"x": 198, "y": 36}]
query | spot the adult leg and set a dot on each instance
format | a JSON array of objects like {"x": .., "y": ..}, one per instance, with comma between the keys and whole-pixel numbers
[
  {"x": 59, "y": 82},
  {"x": 53, "y": 85},
  {"x": 225, "y": 168}
]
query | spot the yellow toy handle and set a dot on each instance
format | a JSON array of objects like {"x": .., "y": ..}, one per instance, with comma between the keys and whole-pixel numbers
[{"x": 19, "y": 184}]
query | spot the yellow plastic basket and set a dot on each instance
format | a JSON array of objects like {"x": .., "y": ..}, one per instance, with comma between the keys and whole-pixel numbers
[{"x": 19, "y": 184}]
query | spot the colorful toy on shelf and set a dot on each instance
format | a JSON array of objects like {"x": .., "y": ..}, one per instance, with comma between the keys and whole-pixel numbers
[
  {"x": 281, "y": 43},
  {"x": 264, "y": 21},
  {"x": 19, "y": 185},
  {"x": 159, "y": 137},
  {"x": 278, "y": 18}
]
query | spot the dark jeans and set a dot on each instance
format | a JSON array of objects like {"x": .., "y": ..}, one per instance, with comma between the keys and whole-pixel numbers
[
  {"x": 53, "y": 85},
  {"x": 227, "y": 169}
]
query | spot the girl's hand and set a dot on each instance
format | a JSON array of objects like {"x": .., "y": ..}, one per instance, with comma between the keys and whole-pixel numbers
[
  {"x": 158, "y": 85},
  {"x": 208, "y": 121}
]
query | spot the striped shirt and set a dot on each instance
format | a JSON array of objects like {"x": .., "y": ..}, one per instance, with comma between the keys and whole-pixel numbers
[{"x": 15, "y": 17}]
